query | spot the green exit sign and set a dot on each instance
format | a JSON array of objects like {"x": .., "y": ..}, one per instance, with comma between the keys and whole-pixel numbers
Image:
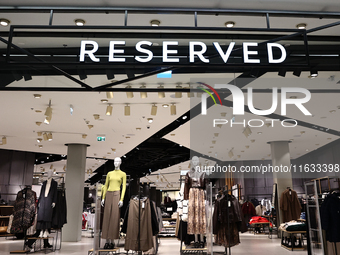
[{"x": 101, "y": 138}]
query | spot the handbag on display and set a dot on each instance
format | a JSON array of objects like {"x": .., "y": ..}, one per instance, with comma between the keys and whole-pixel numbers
[{"x": 3, "y": 228}]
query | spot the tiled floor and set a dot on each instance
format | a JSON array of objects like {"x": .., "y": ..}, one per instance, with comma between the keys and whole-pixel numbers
[{"x": 250, "y": 244}]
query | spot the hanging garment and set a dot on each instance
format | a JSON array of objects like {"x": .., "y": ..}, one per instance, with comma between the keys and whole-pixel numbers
[
  {"x": 24, "y": 211},
  {"x": 196, "y": 212},
  {"x": 138, "y": 229},
  {"x": 227, "y": 222},
  {"x": 111, "y": 221},
  {"x": 248, "y": 209},
  {"x": 45, "y": 210},
  {"x": 267, "y": 204},
  {"x": 260, "y": 210},
  {"x": 59, "y": 217},
  {"x": 290, "y": 205},
  {"x": 330, "y": 217}
]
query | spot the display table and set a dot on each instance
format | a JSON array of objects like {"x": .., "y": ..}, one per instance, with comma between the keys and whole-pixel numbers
[
  {"x": 37, "y": 246},
  {"x": 105, "y": 251},
  {"x": 260, "y": 225},
  {"x": 293, "y": 236}
]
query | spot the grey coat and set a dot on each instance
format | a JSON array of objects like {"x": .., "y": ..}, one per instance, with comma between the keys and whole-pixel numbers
[{"x": 45, "y": 210}]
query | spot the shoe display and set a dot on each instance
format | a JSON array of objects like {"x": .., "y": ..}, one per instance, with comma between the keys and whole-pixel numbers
[
  {"x": 201, "y": 245},
  {"x": 111, "y": 246},
  {"x": 47, "y": 245},
  {"x": 106, "y": 246}
]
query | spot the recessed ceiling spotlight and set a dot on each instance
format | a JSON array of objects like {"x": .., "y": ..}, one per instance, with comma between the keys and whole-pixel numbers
[
  {"x": 150, "y": 120},
  {"x": 332, "y": 111},
  {"x": 155, "y": 23},
  {"x": 165, "y": 105},
  {"x": 184, "y": 117},
  {"x": 259, "y": 133},
  {"x": 313, "y": 74},
  {"x": 79, "y": 22},
  {"x": 37, "y": 95},
  {"x": 229, "y": 24},
  {"x": 4, "y": 22},
  {"x": 104, "y": 101},
  {"x": 301, "y": 26}
]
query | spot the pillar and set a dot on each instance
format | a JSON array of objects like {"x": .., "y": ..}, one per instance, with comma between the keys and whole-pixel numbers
[
  {"x": 281, "y": 158},
  {"x": 74, "y": 184}
]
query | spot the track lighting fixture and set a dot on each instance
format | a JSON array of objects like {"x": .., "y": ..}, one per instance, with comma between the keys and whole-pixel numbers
[
  {"x": 154, "y": 110},
  {"x": 161, "y": 94},
  {"x": 38, "y": 123},
  {"x": 48, "y": 113},
  {"x": 79, "y": 22},
  {"x": 127, "y": 110},
  {"x": 90, "y": 126},
  {"x": 297, "y": 72},
  {"x": 109, "y": 95},
  {"x": 49, "y": 136},
  {"x": 109, "y": 74},
  {"x": 82, "y": 74},
  {"x": 231, "y": 153},
  {"x": 178, "y": 94},
  {"x": 109, "y": 109},
  {"x": 45, "y": 137},
  {"x": 39, "y": 140},
  {"x": 247, "y": 131},
  {"x": 84, "y": 136},
  {"x": 150, "y": 120},
  {"x": 96, "y": 116},
  {"x": 39, "y": 133},
  {"x": 51, "y": 166},
  {"x": 129, "y": 94},
  {"x": 155, "y": 23},
  {"x": 4, "y": 22},
  {"x": 282, "y": 72},
  {"x": 313, "y": 73},
  {"x": 104, "y": 101},
  {"x": 143, "y": 94},
  {"x": 47, "y": 120},
  {"x": 301, "y": 26},
  {"x": 40, "y": 146},
  {"x": 37, "y": 95},
  {"x": 4, "y": 140},
  {"x": 229, "y": 24},
  {"x": 173, "y": 109}
]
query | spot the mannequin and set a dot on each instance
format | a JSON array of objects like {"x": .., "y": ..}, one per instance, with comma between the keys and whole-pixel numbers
[
  {"x": 46, "y": 203},
  {"x": 195, "y": 185},
  {"x": 111, "y": 193}
]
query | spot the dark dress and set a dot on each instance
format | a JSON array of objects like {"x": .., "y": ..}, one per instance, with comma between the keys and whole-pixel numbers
[{"x": 45, "y": 210}]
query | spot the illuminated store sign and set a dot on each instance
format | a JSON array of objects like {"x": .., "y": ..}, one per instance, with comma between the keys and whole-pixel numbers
[{"x": 196, "y": 52}]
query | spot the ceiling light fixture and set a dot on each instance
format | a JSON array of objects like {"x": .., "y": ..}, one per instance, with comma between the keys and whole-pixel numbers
[
  {"x": 4, "y": 140},
  {"x": 37, "y": 95},
  {"x": 173, "y": 109},
  {"x": 45, "y": 137},
  {"x": 4, "y": 22},
  {"x": 297, "y": 72},
  {"x": 129, "y": 94},
  {"x": 247, "y": 131},
  {"x": 178, "y": 94},
  {"x": 184, "y": 117},
  {"x": 109, "y": 109},
  {"x": 143, "y": 94},
  {"x": 49, "y": 136},
  {"x": 96, "y": 116},
  {"x": 39, "y": 133},
  {"x": 79, "y": 22},
  {"x": 150, "y": 120},
  {"x": 40, "y": 146},
  {"x": 165, "y": 105},
  {"x": 104, "y": 101},
  {"x": 314, "y": 73},
  {"x": 109, "y": 95},
  {"x": 39, "y": 140},
  {"x": 161, "y": 94},
  {"x": 127, "y": 110},
  {"x": 90, "y": 126},
  {"x": 229, "y": 24},
  {"x": 231, "y": 153},
  {"x": 282, "y": 72},
  {"x": 301, "y": 26},
  {"x": 154, "y": 110},
  {"x": 84, "y": 136},
  {"x": 155, "y": 23},
  {"x": 38, "y": 123}
]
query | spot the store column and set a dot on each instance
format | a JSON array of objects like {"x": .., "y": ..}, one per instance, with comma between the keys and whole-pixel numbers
[
  {"x": 74, "y": 184},
  {"x": 281, "y": 163}
]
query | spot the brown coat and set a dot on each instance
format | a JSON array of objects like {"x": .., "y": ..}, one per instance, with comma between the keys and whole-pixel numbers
[{"x": 290, "y": 205}]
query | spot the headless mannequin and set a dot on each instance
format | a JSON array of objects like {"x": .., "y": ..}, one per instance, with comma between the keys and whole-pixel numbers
[
  {"x": 195, "y": 174},
  {"x": 117, "y": 163},
  {"x": 44, "y": 232}
]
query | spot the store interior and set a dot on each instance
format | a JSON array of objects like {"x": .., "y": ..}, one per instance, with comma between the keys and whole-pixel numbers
[{"x": 118, "y": 156}]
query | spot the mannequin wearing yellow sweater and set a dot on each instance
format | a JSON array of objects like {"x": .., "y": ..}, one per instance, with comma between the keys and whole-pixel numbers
[{"x": 114, "y": 180}]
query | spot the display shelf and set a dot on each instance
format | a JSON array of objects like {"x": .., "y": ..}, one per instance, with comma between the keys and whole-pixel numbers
[
  {"x": 291, "y": 234},
  {"x": 91, "y": 252}
]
